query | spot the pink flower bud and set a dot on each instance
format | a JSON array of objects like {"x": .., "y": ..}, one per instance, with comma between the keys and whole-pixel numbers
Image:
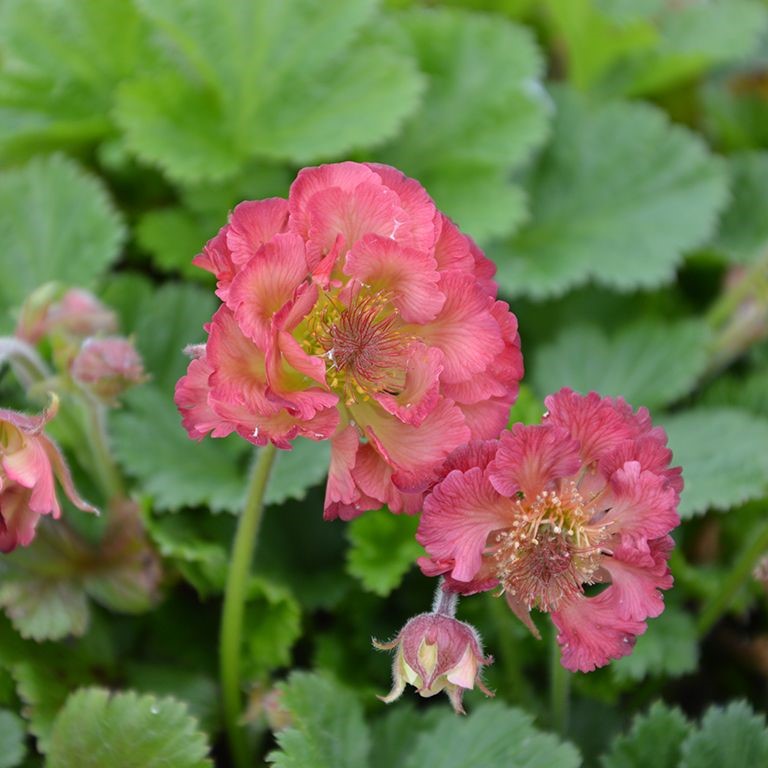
[
  {"x": 108, "y": 366},
  {"x": 75, "y": 313},
  {"x": 435, "y": 653},
  {"x": 29, "y": 460}
]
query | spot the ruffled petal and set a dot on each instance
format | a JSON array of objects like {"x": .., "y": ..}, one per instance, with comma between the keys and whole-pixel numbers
[
  {"x": 192, "y": 399},
  {"x": 531, "y": 458},
  {"x": 465, "y": 330},
  {"x": 459, "y": 514},
  {"x": 452, "y": 248},
  {"x": 408, "y": 275},
  {"x": 591, "y": 632},
  {"x": 253, "y": 223},
  {"x": 216, "y": 258},
  {"x": 374, "y": 479}
]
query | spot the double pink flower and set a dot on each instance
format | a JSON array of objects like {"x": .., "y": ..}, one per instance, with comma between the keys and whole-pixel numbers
[
  {"x": 29, "y": 461},
  {"x": 356, "y": 311},
  {"x": 586, "y": 498}
]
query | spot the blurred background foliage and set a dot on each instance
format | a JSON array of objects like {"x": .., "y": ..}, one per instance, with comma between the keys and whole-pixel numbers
[{"x": 610, "y": 155}]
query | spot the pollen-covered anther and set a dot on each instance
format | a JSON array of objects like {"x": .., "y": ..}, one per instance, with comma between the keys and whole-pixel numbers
[{"x": 549, "y": 550}]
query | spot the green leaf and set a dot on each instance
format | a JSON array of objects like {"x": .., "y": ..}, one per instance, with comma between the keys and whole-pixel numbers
[
  {"x": 474, "y": 127},
  {"x": 528, "y": 408},
  {"x": 494, "y": 736},
  {"x": 271, "y": 625},
  {"x": 297, "y": 470},
  {"x": 170, "y": 319},
  {"x": 669, "y": 647},
  {"x": 153, "y": 447},
  {"x": 735, "y": 109},
  {"x": 730, "y": 737},
  {"x": 655, "y": 739},
  {"x": 12, "y": 737},
  {"x": 603, "y": 211},
  {"x": 173, "y": 236},
  {"x": 61, "y": 65},
  {"x": 45, "y": 609},
  {"x": 382, "y": 549},
  {"x": 283, "y": 79},
  {"x": 123, "y": 730},
  {"x": 649, "y": 363},
  {"x": 722, "y": 453},
  {"x": 743, "y": 234},
  {"x": 328, "y": 729},
  {"x": 56, "y": 223},
  {"x": 749, "y": 392}
]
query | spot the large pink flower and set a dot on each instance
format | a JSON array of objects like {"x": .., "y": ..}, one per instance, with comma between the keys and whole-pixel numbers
[
  {"x": 353, "y": 311},
  {"x": 586, "y": 498},
  {"x": 29, "y": 460}
]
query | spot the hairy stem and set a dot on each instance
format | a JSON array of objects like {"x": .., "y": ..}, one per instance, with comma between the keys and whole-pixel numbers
[{"x": 235, "y": 595}]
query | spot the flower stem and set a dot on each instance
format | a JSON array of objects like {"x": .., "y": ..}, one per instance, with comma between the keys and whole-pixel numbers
[
  {"x": 444, "y": 602},
  {"x": 98, "y": 442},
  {"x": 235, "y": 594},
  {"x": 559, "y": 689},
  {"x": 738, "y": 574}
]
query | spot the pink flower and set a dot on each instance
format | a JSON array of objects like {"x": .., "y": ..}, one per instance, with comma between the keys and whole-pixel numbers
[
  {"x": 353, "y": 311},
  {"x": 585, "y": 498},
  {"x": 28, "y": 462},
  {"x": 436, "y": 653},
  {"x": 108, "y": 366}
]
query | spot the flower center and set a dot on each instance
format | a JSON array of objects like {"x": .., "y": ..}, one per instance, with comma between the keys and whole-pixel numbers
[
  {"x": 550, "y": 550},
  {"x": 363, "y": 345}
]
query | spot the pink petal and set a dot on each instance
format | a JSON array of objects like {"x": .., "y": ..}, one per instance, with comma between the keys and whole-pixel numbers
[
  {"x": 192, "y": 399},
  {"x": 17, "y": 519},
  {"x": 485, "y": 269},
  {"x": 478, "y": 453},
  {"x": 415, "y": 453},
  {"x": 266, "y": 283},
  {"x": 410, "y": 276},
  {"x": 217, "y": 259},
  {"x": 459, "y": 514},
  {"x": 637, "y": 577},
  {"x": 421, "y": 392},
  {"x": 374, "y": 478},
  {"x": 488, "y": 418},
  {"x": 342, "y": 495},
  {"x": 640, "y": 504},
  {"x": 63, "y": 475},
  {"x": 465, "y": 330},
  {"x": 532, "y": 458},
  {"x": 252, "y": 224},
  {"x": 591, "y": 632},
  {"x": 600, "y": 424},
  {"x": 418, "y": 228},
  {"x": 452, "y": 248}
]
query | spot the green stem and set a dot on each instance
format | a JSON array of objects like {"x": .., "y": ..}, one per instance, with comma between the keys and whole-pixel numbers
[
  {"x": 235, "y": 594},
  {"x": 737, "y": 576},
  {"x": 96, "y": 431},
  {"x": 559, "y": 689}
]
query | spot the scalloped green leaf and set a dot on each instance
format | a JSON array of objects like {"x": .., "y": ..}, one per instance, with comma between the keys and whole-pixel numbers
[
  {"x": 56, "y": 223},
  {"x": 12, "y": 738},
  {"x": 297, "y": 470},
  {"x": 474, "y": 127},
  {"x": 655, "y": 739},
  {"x": 282, "y": 79},
  {"x": 649, "y": 363},
  {"x": 382, "y": 550},
  {"x": 730, "y": 737},
  {"x": 617, "y": 198},
  {"x": 669, "y": 647},
  {"x": 723, "y": 455},
  {"x": 493, "y": 735},
  {"x": 327, "y": 730},
  {"x": 153, "y": 447},
  {"x": 124, "y": 730},
  {"x": 743, "y": 234},
  {"x": 60, "y": 67}
]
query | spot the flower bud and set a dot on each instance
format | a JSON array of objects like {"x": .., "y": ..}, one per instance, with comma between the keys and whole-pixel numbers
[
  {"x": 108, "y": 366},
  {"x": 434, "y": 653},
  {"x": 73, "y": 313},
  {"x": 29, "y": 460}
]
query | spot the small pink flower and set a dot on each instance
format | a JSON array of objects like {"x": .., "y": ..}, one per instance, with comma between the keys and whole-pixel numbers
[
  {"x": 354, "y": 311},
  {"x": 108, "y": 366},
  {"x": 29, "y": 460},
  {"x": 585, "y": 498},
  {"x": 75, "y": 313},
  {"x": 436, "y": 653}
]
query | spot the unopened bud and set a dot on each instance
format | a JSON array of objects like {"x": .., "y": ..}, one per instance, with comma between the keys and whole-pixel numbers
[
  {"x": 108, "y": 366},
  {"x": 435, "y": 652}
]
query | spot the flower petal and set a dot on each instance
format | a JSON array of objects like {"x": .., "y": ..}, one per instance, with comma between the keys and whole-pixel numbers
[{"x": 252, "y": 224}]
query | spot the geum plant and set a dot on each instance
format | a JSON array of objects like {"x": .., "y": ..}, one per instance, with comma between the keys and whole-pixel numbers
[{"x": 356, "y": 312}]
